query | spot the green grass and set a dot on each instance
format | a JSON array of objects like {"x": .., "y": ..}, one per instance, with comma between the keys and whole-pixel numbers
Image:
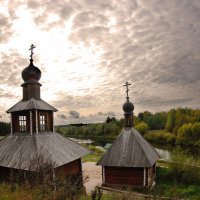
[
  {"x": 94, "y": 156},
  {"x": 162, "y": 163},
  {"x": 166, "y": 185},
  {"x": 91, "y": 158}
]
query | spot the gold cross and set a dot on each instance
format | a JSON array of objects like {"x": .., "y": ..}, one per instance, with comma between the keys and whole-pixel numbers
[
  {"x": 31, "y": 48},
  {"x": 126, "y": 84}
]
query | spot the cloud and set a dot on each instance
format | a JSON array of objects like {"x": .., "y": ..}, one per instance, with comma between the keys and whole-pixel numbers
[
  {"x": 12, "y": 64},
  {"x": 62, "y": 116},
  {"x": 110, "y": 114},
  {"x": 74, "y": 114},
  {"x": 5, "y": 28},
  {"x": 51, "y": 14}
]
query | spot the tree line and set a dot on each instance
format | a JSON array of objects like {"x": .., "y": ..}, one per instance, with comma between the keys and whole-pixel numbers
[
  {"x": 4, "y": 128},
  {"x": 176, "y": 126}
]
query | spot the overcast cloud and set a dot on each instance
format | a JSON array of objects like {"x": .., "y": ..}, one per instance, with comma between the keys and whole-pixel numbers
[{"x": 87, "y": 49}]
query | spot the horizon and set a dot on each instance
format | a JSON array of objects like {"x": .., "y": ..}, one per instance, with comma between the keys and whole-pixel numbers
[{"x": 87, "y": 50}]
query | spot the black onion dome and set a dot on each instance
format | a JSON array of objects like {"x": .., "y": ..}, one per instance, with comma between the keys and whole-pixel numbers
[
  {"x": 31, "y": 73},
  {"x": 128, "y": 107}
]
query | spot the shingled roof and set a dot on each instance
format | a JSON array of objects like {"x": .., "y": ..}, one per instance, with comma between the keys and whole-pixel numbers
[
  {"x": 130, "y": 149},
  {"x": 17, "y": 151},
  {"x": 31, "y": 104}
]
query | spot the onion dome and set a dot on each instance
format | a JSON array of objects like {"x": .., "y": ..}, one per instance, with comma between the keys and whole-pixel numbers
[
  {"x": 128, "y": 107},
  {"x": 31, "y": 73}
]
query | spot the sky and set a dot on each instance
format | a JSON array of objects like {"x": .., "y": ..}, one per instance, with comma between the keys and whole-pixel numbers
[{"x": 87, "y": 50}]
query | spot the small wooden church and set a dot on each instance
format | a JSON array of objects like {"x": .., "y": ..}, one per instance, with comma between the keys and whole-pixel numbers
[
  {"x": 33, "y": 135},
  {"x": 131, "y": 160}
]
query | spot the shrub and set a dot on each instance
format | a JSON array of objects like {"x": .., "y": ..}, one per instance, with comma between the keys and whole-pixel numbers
[
  {"x": 142, "y": 127},
  {"x": 189, "y": 134},
  {"x": 161, "y": 137},
  {"x": 184, "y": 168}
]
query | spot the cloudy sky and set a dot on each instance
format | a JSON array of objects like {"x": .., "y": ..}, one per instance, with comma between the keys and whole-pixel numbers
[{"x": 87, "y": 49}]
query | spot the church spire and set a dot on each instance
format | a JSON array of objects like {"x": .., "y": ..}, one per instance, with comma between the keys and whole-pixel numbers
[{"x": 128, "y": 108}]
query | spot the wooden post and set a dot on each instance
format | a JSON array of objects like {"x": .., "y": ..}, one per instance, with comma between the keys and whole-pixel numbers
[
  {"x": 54, "y": 180},
  {"x": 53, "y": 122},
  {"x": 103, "y": 177},
  {"x": 11, "y": 125},
  {"x": 31, "y": 123},
  {"x": 36, "y": 121},
  {"x": 144, "y": 177}
]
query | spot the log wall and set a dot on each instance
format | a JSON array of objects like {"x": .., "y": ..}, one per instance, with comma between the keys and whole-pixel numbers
[
  {"x": 124, "y": 176},
  {"x": 48, "y": 117},
  {"x": 72, "y": 168}
]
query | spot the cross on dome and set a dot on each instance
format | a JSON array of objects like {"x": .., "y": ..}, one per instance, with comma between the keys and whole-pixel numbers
[
  {"x": 31, "y": 48},
  {"x": 126, "y": 84}
]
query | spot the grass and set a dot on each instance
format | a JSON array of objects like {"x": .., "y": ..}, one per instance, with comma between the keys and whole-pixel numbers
[
  {"x": 166, "y": 185},
  {"x": 94, "y": 156},
  {"x": 91, "y": 158},
  {"x": 162, "y": 163}
]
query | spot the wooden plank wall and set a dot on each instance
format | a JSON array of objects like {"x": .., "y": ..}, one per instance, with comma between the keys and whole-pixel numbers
[
  {"x": 15, "y": 120},
  {"x": 125, "y": 176},
  {"x": 72, "y": 168}
]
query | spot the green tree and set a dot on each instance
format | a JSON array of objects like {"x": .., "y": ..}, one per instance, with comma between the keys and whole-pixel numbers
[
  {"x": 170, "y": 120},
  {"x": 142, "y": 127},
  {"x": 4, "y": 128},
  {"x": 140, "y": 116},
  {"x": 189, "y": 134}
]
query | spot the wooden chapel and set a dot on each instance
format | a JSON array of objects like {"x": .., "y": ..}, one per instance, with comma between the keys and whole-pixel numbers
[
  {"x": 131, "y": 160},
  {"x": 33, "y": 135}
]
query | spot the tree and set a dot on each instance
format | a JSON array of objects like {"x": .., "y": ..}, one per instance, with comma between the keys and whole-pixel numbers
[
  {"x": 189, "y": 134},
  {"x": 4, "y": 128},
  {"x": 142, "y": 127},
  {"x": 170, "y": 120},
  {"x": 110, "y": 119},
  {"x": 141, "y": 116}
]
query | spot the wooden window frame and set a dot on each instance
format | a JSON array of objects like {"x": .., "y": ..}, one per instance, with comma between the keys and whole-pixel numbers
[
  {"x": 22, "y": 123},
  {"x": 43, "y": 122}
]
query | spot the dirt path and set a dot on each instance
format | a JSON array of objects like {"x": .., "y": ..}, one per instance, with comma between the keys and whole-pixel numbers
[{"x": 92, "y": 175}]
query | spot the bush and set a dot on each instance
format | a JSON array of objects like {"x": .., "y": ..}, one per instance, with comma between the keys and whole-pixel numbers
[
  {"x": 184, "y": 168},
  {"x": 161, "y": 137},
  {"x": 142, "y": 127},
  {"x": 189, "y": 134}
]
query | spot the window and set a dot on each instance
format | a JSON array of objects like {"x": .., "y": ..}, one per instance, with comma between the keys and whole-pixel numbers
[
  {"x": 22, "y": 123},
  {"x": 43, "y": 122}
]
